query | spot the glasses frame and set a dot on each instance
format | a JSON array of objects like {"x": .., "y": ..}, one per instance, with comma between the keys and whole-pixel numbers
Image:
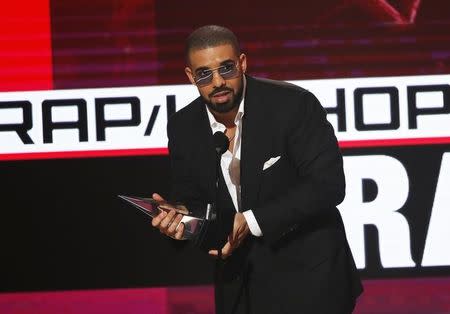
[{"x": 209, "y": 78}]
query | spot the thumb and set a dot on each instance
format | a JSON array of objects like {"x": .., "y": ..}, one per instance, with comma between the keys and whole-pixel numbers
[{"x": 157, "y": 197}]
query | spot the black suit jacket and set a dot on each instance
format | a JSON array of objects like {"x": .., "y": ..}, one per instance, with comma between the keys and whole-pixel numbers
[{"x": 302, "y": 263}]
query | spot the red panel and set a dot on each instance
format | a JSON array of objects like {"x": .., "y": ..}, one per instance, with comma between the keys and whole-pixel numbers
[
  {"x": 25, "y": 46},
  {"x": 112, "y": 301},
  {"x": 103, "y": 44},
  {"x": 401, "y": 296},
  {"x": 408, "y": 296},
  {"x": 164, "y": 151},
  {"x": 87, "y": 154},
  {"x": 394, "y": 142}
]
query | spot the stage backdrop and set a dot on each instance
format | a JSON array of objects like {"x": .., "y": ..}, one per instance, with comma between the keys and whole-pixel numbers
[{"x": 86, "y": 89}]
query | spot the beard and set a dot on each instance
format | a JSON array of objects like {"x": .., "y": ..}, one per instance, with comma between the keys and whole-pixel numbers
[{"x": 233, "y": 103}]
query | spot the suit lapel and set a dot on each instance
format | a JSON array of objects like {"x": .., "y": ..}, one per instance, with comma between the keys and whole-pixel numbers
[
  {"x": 255, "y": 135},
  {"x": 205, "y": 150}
]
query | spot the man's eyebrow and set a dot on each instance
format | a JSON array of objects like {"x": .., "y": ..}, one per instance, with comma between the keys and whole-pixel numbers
[
  {"x": 221, "y": 63},
  {"x": 201, "y": 69},
  {"x": 226, "y": 61}
]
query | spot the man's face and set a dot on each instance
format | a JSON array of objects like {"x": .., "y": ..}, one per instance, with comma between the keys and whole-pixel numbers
[{"x": 218, "y": 74}]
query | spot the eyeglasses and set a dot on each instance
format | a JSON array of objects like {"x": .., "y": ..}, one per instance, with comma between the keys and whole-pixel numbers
[{"x": 227, "y": 71}]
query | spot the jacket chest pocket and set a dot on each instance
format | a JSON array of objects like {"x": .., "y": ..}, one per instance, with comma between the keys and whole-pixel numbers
[{"x": 276, "y": 179}]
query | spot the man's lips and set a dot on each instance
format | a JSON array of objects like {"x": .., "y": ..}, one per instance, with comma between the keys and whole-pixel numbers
[{"x": 220, "y": 94}]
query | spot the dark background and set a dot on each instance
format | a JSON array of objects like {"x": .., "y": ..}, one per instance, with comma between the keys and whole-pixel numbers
[{"x": 62, "y": 226}]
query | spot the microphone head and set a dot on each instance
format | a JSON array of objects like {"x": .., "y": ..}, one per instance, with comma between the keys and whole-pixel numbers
[{"x": 221, "y": 142}]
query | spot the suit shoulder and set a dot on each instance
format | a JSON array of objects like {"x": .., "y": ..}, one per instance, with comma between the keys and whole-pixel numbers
[
  {"x": 187, "y": 113},
  {"x": 283, "y": 93},
  {"x": 284, "y": 101},
  {"x": 274, "y": 86}
]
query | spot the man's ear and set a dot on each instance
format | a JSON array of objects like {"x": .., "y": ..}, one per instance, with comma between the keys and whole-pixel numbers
[
  {"x": 243, "y": 62},
  {"x": 189, "y": 74}
]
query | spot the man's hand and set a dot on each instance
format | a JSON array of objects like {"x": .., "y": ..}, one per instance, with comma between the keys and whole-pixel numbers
[
  {"x": 167, "y": 222},
  {"x": 238, "y": 234}
]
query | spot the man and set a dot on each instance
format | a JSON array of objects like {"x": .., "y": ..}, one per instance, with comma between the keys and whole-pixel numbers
[{"x": 282, "y": 175}]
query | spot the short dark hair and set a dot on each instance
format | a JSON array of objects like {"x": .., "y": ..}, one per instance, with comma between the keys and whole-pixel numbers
[{"x": 210, "y": 36}]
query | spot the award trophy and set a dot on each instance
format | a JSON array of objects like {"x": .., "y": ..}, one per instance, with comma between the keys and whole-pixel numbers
[
  {"x": 204, "y": 233},
  {"x": 151, "y": 207}
]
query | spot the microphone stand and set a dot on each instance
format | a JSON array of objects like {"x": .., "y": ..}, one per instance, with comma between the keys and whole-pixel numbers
[{"x": 221, "y": 144}]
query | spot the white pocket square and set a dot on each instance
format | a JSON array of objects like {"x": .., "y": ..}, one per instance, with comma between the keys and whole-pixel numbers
[{"x": 270, "y": 162}]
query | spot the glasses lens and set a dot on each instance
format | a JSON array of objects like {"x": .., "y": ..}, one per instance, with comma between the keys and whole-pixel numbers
[
  {"x": 203, "y": 77},
  {"x": 228, "y": 70}
]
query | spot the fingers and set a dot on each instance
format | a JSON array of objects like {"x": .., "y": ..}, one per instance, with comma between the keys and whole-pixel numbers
[
  {"x": 156, "y": 221},
  {"x": 236, "y": 228},
  {"x": 174, "y": 224},
  {"x": 239, "y": 233},
  {"x": 240, "y": 230},
  {"x": 168, "y": 223},
  {"x": 226, "y": 251},
  {"x": 179, "y": 232},
  {"x": 157, "y": 197},
  {"x": 234, "y": 240}
]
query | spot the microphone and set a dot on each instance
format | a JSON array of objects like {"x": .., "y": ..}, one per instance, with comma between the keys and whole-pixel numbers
[{"x": 221, "y": 143}]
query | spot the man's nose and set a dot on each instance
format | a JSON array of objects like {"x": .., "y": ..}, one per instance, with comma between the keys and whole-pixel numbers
[{"x": 217, "y": 79}]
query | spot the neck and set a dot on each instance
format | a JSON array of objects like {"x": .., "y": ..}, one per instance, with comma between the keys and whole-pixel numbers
[{"x": 226, "y": 118}]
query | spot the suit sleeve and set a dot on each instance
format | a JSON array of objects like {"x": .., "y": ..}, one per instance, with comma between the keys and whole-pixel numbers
[
  {"x": 320, "y": 185},
  {"x": 184, "y": 187}
]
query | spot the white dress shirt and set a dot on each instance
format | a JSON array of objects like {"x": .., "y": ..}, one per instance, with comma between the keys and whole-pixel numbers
[{"x": 230, "y": 164}]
